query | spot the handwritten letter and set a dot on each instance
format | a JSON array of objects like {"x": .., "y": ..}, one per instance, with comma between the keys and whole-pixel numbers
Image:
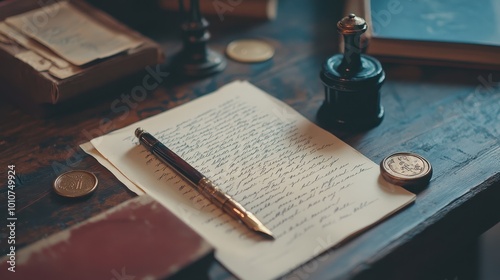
[{"x": 299, "y": 180}]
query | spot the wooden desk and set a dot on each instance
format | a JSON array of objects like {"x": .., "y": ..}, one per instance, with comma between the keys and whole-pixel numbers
[{"x": 450, "y": 116}]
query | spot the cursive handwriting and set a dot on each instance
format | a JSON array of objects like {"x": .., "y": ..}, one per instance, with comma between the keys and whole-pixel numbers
[
  {"x": 274, "y": 168},
  {"x": 303, "y": 183}
]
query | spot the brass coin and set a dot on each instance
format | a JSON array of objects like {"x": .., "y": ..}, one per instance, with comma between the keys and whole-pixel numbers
[
  {"x": 75, "y": 183},
  {"x": 406, "y": 169},
  {"x": 249, "y": 50}
]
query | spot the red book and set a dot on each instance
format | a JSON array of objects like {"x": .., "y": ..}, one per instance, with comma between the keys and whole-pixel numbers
[{"x": 138, "y": 239}]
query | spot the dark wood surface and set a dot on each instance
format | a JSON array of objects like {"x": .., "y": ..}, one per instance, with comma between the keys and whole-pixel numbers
[{"x": 451, "y": 116}]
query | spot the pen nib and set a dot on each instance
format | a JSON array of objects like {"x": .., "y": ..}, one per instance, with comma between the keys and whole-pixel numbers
[
  {"x": 252, "y": 222},
  {"x": 265, "y": 232}
]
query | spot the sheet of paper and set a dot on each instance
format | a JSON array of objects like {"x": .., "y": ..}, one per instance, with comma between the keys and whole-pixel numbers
[
  {"x": 71, "y": 34},
  {"x": 4, "y": 39},
  {"x": 34, "y": 60},
  {"x": 302, "y": 182},
  {"x": 63, "y": 73},
  {"x": 60, "y": 68},
  {"x": 89, "y": 149},
  {"x": 32, "y": 45}
]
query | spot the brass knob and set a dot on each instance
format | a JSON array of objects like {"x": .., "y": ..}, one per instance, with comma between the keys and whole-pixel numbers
[{"x": 351, "y": 24}]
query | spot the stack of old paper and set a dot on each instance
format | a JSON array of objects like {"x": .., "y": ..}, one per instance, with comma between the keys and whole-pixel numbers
[
  {"x": 302, "y": 182},
  {"x": 60, "y": 39},
  {"x": 66, "y": 50}
]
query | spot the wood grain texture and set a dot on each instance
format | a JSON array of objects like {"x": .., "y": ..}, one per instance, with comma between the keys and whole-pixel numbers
[{"x": 451, "y": 116}]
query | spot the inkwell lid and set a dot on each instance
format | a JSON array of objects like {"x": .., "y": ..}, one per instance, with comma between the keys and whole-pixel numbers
[
  {"x": 352, "y": 70},
  {"x": 351, "y": 24}
]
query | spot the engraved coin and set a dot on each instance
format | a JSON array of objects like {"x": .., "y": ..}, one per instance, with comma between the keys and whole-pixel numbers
[
  {"x": 406, "y": 169},
  {"x": 249, "y": 50},
  {"x": 75, "y": 183}
]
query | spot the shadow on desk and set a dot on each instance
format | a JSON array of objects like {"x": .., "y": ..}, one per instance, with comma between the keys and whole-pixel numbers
[{"x": 489, "y": 254}]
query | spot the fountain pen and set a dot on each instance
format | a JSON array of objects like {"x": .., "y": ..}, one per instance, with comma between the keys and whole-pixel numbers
[{"x": 201, "y": 183}]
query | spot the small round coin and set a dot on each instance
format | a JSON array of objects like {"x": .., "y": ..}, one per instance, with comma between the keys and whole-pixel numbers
[
  {"x": 249, "y": 50},
  {"x": 75, "y": 183},
  {"x": 406, "y": 169}
]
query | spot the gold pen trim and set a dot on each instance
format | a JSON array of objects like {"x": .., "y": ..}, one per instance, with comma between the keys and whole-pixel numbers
[
  {"x": 231, "y": 207},
  {"x": 201, "y": 184}
]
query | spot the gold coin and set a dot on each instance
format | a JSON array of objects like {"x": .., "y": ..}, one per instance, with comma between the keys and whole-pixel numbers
[
  {"x": 406, "y": 169},
  {"x": 75, "y": 183},
  {"x": 249, "y": 50}
]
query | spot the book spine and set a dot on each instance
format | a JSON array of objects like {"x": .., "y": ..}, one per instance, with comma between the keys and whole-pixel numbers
[{"x": 256, "y": 9}]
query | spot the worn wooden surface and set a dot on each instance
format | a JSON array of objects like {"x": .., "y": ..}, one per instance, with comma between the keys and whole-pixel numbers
[{"x": 451, "y": 116}]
